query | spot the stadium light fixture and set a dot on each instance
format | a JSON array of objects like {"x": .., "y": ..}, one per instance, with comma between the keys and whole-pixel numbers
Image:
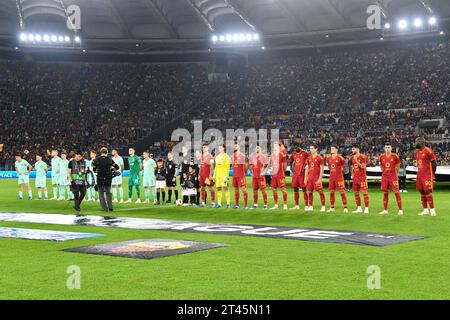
[
  {"x": 403, "y": 24},
  {"x": 31, "y": 39},
  {"x": 441, "y": 33},
  {"x": 387, "y": 25},
  {"x": 236, "y": 39},
  {"x": 418, "y": 22},
  {"x": 432, "y": 21}
]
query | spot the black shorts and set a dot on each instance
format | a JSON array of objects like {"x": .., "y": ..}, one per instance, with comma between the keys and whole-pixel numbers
[
  {"x": 171, "y": 183},
  {"x": 347, "y": 177}
]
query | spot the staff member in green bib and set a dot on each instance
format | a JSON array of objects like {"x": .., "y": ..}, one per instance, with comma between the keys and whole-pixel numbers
[
  {"x": 78, "y": 168},
  {"x": 134, "y": 180}
]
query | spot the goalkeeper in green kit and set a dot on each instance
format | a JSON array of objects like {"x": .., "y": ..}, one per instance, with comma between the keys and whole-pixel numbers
[{"x": 134, "y": 180}]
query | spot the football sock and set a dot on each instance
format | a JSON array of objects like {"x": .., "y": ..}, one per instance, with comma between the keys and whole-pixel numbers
[
  {"x": 219, "y": 197},
  {"x": 332, "y": 199},
  {"x": 265, "y": 197},
  {"x": 344, "y": 198},
  {"x": 399, "y": 200},
  {"x": 366, "y": 200},
  {"x": 430, "y": 201},
  {"x": 423, "y": 198},
  {"x": 322, "y": 197},
  {"x": 385, "y": 200},
  {"x": 310, "y": 198},
  {"x": 305, "y": 197},
  {"x": 284, "y": 196},
  {"x": 358, "y": 199}
]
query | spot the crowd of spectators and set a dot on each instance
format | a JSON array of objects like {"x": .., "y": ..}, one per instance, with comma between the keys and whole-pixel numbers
[{"x": 369, "y": 96}]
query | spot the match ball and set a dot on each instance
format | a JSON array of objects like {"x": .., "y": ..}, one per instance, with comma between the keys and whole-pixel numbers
[{"x": 179, "y": 202}]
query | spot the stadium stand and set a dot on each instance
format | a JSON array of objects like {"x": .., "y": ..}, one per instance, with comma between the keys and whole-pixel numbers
[{"x": 369, "y": 96}]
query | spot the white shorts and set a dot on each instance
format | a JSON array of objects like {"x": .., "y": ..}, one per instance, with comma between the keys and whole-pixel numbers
[
  {"x": 189, "y": 192},
  {"x": 40, "y": 182},
  {"x": 23, "y": 179},
  {"x": 117, "y": 181},
  {"x": 160, "y": 184},
  {"x": 55, "y": 180}
]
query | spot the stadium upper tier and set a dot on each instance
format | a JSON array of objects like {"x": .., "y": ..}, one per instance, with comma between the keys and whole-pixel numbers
[{"x": 326, "y": 97}]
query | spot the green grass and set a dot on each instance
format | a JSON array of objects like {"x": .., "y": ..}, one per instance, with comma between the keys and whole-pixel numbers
[{"x": 249, "y": 268}]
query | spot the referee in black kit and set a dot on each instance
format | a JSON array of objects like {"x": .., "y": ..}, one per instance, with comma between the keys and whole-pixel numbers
[{"x": 105, "y": 167}]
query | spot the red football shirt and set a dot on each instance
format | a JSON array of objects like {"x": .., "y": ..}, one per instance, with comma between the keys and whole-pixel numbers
[
  {"x": 314, "y": 164},
  {"x": 278, "y": 164},
  {"x": 389, "y": 165},
  {"x": 359, "y": 174},
  {"x": 257, "y": 164},
  {"x": 424, "y": 158},
  {"x": 298, "y": 162},
  {"x": 239, "y": 161},
  {"x": 336, "y": 165},
  {"x": 205, "y": 164}
]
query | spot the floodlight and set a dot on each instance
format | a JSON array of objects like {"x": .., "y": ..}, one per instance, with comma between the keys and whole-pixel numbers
[{"x": 402, "y": 24}]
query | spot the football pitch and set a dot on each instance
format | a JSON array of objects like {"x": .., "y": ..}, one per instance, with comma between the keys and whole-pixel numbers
[{"x": 247, "y": 268}]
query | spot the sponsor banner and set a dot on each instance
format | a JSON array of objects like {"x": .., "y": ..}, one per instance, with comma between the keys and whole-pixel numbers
[
  {"x": 373, "y": 173},
  {"x": 147, "y": 248},
  {"x": 13, "y": 174},
  {"x": 293, "y": 233},
  {"x": 37, "y": 234}
]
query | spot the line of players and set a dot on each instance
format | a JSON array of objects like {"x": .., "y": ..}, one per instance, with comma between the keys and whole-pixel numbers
[{"x": 210, "y": 172}]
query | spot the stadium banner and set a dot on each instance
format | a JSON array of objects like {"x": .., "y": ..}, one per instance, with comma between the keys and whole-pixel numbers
[
  {"x": 37, "y": 234},
  {"x": 373, "y": 173},
  {"x": 13, "y": 174},
  {"x": 147, "y": 248},
  {"x": 292, "y": 233}
]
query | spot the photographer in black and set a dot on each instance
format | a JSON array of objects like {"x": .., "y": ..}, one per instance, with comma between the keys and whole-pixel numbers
[
  {"x": 76, "y": 174},
  {"x": 105, "y": 168}
]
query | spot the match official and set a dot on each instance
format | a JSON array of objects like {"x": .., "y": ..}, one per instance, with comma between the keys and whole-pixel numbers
[{"x": 104, "y": 166}]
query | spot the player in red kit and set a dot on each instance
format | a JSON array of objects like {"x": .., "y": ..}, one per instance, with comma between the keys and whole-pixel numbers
[
  {"x": 390, "y": 164},
  {"x": 313, "y": 177},
  {"x": 205, "y": 176},
  {"x": 358, "y": 167},
  {"x": 336, "y": 165},
  {"x": 240, "y": 165},
  {"x": 426, "y": 164},
  {"x": 278, "y": 164},
  {"x": 298, "y": 163},
  {"x": 258, "y": 168}
]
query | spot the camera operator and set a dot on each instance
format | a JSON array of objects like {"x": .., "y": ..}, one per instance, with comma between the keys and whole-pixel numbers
[
  {"x": 105, "y": 168},
  {"x": 76, "y": 174}
]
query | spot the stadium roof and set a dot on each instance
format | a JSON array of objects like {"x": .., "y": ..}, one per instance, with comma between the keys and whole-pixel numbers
[{"x": 148, "y": 25}]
